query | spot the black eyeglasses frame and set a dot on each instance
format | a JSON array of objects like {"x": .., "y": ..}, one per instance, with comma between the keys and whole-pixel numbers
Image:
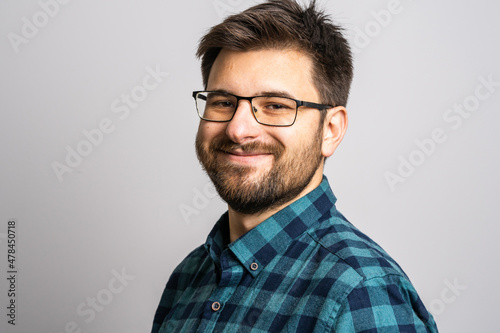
[{"x": 299, "y": 103}]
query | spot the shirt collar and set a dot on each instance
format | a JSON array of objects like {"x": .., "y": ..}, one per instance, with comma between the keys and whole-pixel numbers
[{"x": 259, "y": 246}]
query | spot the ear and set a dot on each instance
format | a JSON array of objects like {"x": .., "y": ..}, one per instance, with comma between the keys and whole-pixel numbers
[{"x": 334, "y": 128}]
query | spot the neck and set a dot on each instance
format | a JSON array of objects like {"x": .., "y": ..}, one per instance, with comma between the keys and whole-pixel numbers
[{"x": 240, "y": 224}]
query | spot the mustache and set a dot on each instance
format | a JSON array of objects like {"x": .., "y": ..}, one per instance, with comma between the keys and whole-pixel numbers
[{"x": 226, "y": 145}]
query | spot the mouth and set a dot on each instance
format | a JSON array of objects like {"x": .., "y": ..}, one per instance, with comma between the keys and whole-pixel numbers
[
  {"x": 246, "y": 157},
  {"x": 240, "y": 152}
]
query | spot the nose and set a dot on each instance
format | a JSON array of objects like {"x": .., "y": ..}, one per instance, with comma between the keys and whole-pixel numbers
[{"x": 243, "y": 127}]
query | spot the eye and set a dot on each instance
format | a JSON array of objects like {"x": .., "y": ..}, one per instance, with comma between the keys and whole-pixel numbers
[
  {"x": 276, "y": 106},
  {"x": 225, "y": 104},
  {"x": 220, "y": 102}
]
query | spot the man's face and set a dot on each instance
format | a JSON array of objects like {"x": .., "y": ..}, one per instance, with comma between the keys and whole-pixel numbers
[{"x": 256, "y": 167}]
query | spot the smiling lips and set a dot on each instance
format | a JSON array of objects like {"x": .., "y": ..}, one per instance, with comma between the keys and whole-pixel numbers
[
  {"x": 246, "y": 157},
  {"x": 252, "y": 154}
]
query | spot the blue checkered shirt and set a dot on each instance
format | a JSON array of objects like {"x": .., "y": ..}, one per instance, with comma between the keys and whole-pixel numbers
[{"x": 305, "y": 269}]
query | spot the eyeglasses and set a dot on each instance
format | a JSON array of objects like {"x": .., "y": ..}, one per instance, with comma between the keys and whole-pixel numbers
[{"x": 268, "y": 110}]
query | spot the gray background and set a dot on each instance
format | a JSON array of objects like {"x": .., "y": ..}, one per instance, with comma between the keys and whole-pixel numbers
[{"x": 139, "y": 202}]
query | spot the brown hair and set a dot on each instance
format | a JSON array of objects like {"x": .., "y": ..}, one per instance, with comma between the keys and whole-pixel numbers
[{"x": 281, "y": 24}]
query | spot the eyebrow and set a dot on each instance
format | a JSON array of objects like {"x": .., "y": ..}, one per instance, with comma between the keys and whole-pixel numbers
[{"x": 277, "y": 93}]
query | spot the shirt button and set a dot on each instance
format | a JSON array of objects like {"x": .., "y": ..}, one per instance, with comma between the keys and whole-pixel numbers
[
  {"x": 216, "y": 306},
  {"x": 254, "y": 266}
]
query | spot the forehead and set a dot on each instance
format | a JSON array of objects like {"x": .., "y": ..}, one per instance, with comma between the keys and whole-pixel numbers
[{"x": 249, "y": 73}]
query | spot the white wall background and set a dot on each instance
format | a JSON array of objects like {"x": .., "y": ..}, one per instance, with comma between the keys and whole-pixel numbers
[{"x": 119, "y": 210}]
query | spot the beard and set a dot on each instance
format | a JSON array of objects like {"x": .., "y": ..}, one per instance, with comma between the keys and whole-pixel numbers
[{"x": 248, "y": 192}]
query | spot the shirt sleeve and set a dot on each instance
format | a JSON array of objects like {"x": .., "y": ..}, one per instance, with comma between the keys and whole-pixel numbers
[{"x": 384, "y": 304}]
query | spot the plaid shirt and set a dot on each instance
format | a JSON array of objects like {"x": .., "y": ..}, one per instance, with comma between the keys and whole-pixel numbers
[{"x": 305, "y": 269}]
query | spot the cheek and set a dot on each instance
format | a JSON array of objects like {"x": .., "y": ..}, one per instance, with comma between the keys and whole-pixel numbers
[
  {"x": 295, "y": 137},
  {"x": 304, "y": 140},
  {"x": 208, "y": 131}
]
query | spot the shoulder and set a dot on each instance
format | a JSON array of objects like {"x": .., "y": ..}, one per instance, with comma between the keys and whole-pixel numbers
[
  {"x": 389, "y": 302},
  {"x": 379, "y": 293},
  {"x": 188, "y": 268},
  {"x": 183, "y": 275},
  {"x": 355, "y": 249},
  {"x": 180, "y": 278}
]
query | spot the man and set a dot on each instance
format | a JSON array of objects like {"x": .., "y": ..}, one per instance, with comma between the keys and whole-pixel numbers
[{"x": 282, "y": 258}]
